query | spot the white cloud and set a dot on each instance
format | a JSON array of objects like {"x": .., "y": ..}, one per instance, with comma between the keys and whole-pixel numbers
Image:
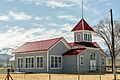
[
  {"x": 19, "y": 15},
  {"x": 63, "y": 27},
  {"x": 12, "y": 15},
  {"x": 67, "y": 27},
  {"x": 16, "y": 36},
  {"x": 53, "y": 24},
  {"x": 4, "y": 18},
  {"x": 42, "y": 18},
  {"x": 67, "y": 17},
  {"x": 108, "y": 4},
  {"x": 54, "y": 4},
  {"x": 50, "y": 3},
  {"x": 71, "y": 4},
  {"x": 39, "y": 18}
]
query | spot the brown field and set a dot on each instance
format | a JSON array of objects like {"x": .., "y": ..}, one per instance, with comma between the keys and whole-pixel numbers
[{"x": 59, "y": 77}]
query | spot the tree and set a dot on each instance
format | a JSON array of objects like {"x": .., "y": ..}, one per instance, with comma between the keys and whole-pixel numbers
[{"x": 103, "y": 30}]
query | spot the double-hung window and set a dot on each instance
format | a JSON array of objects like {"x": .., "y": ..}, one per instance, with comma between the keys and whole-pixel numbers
[
  {"x": 39, "y": 62},
  {"x": 78, "y": 36},
  {"x": 20, "y": 62},
  {"x": 56, "y": 62},
  {"x": 29, "y": 62},
  {"x": 87, "y": 36}
]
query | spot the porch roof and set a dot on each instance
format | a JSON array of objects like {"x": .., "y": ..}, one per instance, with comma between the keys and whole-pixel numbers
[
  {"x": 74, "y": 51},
  {"x": 84, "y": 44}
]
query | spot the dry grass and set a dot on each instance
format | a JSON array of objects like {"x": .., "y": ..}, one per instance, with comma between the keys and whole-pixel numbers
[{"x": 59, "y": 77}]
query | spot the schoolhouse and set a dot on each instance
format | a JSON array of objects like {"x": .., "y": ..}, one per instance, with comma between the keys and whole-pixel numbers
[{"x": 59, "y": 56}]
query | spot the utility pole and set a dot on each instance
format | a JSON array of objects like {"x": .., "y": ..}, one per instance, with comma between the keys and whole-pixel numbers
[{"x": 113, "y": 47}]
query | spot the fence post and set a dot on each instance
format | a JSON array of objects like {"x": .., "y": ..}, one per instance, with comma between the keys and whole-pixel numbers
[
  {"x": 8, "y": 75},
  {"x": 49, "y": 76}
]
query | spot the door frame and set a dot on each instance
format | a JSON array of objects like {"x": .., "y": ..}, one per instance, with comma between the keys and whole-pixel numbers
[
  {"x": 92, "y": 62},
  {"x": 92, "y": 65}
]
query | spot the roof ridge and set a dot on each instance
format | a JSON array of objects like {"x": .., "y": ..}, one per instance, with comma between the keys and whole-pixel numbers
[
  {"x": 45, "y": 40},
  {"x": 83, "y": 23}
]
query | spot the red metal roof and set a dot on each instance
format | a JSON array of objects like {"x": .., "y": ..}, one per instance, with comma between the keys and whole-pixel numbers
[
  {"x": 84, "y": 44},
  {"x": 74, "y": 51},
  {"x": 82, "y": 25},
  {"x": 71, "y": 44},
  {"x": 43, "y": 45}
]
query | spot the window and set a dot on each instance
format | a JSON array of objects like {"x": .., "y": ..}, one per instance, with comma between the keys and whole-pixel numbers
[
  {"x": 87, "y": 37},
  {"x": 20, "y": 62},
  {"x": 39, "y": 62},
  {"x": 81, "y": 60},
  {"x": 56, "y": 62},
  {"x": 29, "y": 62},
  {"x": 78, "y": 36},
  {"x": 102, "y": 61},
  {"x": 92, "y": 56}
]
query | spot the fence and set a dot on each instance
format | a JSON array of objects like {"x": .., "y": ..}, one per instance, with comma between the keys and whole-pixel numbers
[
  {"x": 45, "y": 76},
  {"x": 60, "y": 77}
]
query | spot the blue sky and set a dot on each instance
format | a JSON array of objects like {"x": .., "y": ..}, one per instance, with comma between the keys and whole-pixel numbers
[{"x": 29, "y": 20}]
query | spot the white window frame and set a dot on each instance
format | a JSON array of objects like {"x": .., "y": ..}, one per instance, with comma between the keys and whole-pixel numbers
[
  {"x": 20, "y": 63},
  {"x": 54, "y": 61},
  {"x": 39, "y": 63},
  {"x": 81, "y": 60},
  {"x": 78, "y": 34},
  {"x": 87, "y": 37},
  {"x": 30, "y": 62}
]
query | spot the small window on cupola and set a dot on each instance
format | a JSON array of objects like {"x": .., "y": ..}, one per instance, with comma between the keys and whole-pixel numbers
[
  {"x": 87, "y": 36},
  {"x": 78, "y": 37}
]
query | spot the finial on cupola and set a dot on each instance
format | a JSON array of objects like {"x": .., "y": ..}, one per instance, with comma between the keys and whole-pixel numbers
[{"x": 82, "y": 9}]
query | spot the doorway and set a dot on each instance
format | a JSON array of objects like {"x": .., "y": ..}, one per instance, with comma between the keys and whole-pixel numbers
[{"x": 92, "y": 62}]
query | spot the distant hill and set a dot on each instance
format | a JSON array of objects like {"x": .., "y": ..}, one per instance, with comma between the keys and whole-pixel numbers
[
  {"x": 6, "y": 50},
  {"x": 5, "y": 53},
  {"x": 4, "y": 57}
]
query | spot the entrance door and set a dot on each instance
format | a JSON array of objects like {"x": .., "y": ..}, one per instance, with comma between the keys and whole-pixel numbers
[
  {"x": 92, "y": 62},
  {"x": 92, "y": 65}
]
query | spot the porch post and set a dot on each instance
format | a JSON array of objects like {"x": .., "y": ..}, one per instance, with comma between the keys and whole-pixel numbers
[{"x": 47, "y": 61}]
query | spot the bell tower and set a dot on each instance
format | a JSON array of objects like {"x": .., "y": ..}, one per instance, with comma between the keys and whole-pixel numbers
[{"x": 82, "y": 32}]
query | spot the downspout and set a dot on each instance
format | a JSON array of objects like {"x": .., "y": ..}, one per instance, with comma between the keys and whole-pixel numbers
[{"x": 47, "y": 61}]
